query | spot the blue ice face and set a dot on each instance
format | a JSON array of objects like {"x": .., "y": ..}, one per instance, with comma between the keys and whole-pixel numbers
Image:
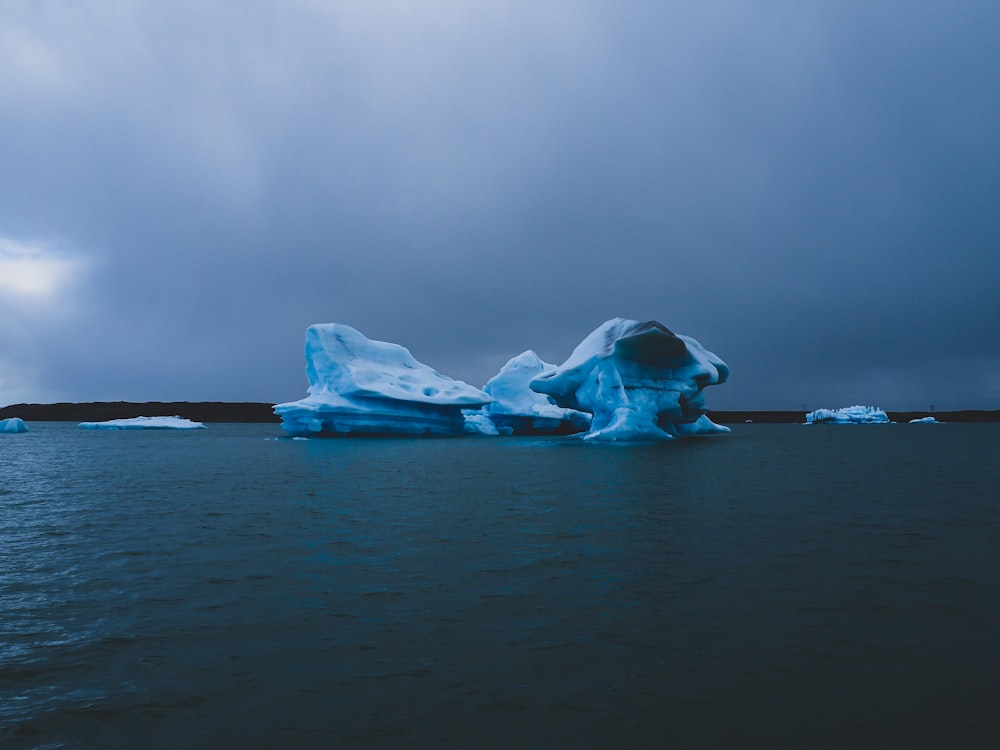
[
  {"x": 12, "y": 425},
  {"x": 639, "y": 380},
  {"x": 364, "y": 387},
  {"x": 518, "y": 410}
]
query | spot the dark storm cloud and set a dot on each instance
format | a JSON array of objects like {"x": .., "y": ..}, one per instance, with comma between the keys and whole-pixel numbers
[{"x": 808, "y": 189}]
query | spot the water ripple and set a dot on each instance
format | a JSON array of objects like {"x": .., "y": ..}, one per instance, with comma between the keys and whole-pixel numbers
[{"x": 773, "y": 588}]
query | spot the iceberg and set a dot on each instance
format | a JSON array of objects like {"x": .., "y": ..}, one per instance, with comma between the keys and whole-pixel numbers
[
  {"x": 144, "y": 423},
  {"x": 478, "y": 423},
  {"x": 924, "y": 420},
  {"x": 518, "y": 410},
  {"x": 12, "y": 425},
  {"x": 848, "y": 415},
  {"x": 365, "y": 387},
  {"x": 639, "y": 380}
]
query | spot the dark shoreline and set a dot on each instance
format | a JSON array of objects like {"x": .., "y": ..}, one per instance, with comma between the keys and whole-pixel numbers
[
  {"x": 101, "y": 411},
  {"x": 256, "y": 412}
]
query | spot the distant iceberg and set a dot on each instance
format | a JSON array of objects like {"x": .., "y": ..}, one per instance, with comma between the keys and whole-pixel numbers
[
  {"x": 639, "y": 380},
  {"x": 144, "y": 423},
  {"x": 13, "y": 424},
  {"x": 364, "y": 387},
  {"x": 924, "y": 420},
  {"x": 518, "y": 410},
  {"x": 848, "y": 415}
]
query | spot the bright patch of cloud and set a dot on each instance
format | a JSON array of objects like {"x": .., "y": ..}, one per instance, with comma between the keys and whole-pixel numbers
[{"x": 33, "y": 271}]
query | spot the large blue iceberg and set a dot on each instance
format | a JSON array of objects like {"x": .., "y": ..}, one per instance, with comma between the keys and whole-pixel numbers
[
  {"x": 639, "y": 380},
  {"x": 848, "y": 415},
  {"x": 12, "y": 425},
  {"x": 364, "y": 387},
  {"x": 518, "y": 410}
]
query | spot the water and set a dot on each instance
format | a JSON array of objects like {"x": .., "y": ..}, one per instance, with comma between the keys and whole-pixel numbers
[{"x": 783, "y": 586}]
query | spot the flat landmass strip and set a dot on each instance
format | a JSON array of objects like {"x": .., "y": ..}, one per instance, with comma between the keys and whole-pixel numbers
[
  {"x": 251, "y": 411},
  {"x": 102, "y": 411}
]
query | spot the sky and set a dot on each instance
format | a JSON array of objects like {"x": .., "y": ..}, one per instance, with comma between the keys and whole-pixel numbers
[{"x": 810, "y": 189}]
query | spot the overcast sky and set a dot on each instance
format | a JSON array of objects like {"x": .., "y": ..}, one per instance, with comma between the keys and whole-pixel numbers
[{"x": 810, "y": 189}]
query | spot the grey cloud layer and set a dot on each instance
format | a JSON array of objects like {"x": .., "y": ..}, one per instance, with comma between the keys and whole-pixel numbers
[{"x": 808, "y": 189}]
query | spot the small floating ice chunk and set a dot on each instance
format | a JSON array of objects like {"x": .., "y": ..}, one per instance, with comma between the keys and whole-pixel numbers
[
  {"x": 144, "y": 423},
  {"x": 924, "y": 420},
  {"x": 848, "y": 415},
  {"x": 478, "y": 423},
  {"x": 701, "y": 426},
  {"x": 12, "y": 425}
]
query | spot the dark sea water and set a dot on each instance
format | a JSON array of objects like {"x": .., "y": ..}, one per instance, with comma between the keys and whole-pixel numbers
[{"x": 783, "y": 586}]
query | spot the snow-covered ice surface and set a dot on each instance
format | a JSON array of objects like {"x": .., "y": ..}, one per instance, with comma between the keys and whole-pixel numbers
[
  {"x": 144, "y": 423},
  {"x": 639, "y": 380},
  {"x": 924, "y": 420},
  {"x": 367, "y": 387},
  {"x": 13, "y": 424},
  {"x": 848, "y": 415},
  {"x": 518, "y": 410}
]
